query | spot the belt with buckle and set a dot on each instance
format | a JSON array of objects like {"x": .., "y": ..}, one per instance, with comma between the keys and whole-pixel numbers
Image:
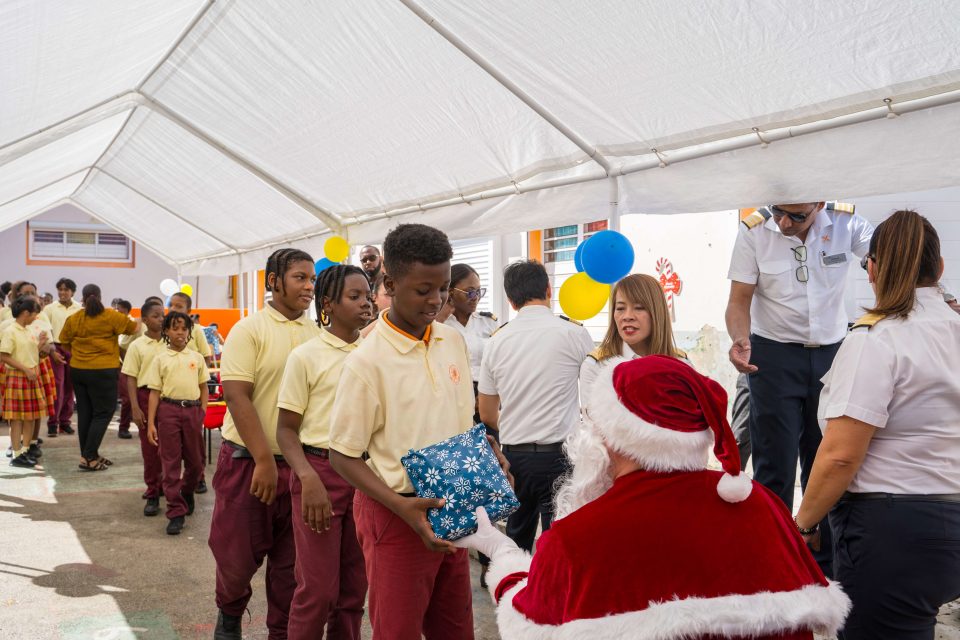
[
  {"x": 532, "y": 447},
  {"x": 240, "y": 451},
  {"x": 316, "y": 451},
  {"x": 181, "y": 403},
  {"x": 923, "y": 497}
]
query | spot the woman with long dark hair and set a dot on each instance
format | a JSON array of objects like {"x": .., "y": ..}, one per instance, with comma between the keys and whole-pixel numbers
[
  {"x": 888, "y": 469},
  {"x": 92, "y": 337}
]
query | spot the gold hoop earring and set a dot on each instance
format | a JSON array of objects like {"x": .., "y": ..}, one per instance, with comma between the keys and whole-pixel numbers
[{"x": 324, "y": 318}]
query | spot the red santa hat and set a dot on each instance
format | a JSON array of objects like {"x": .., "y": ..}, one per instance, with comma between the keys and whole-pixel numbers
[{"x": 660, "y": 412}]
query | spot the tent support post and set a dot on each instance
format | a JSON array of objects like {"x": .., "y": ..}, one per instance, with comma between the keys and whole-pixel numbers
[
  {"x": 324, "y": 216},
  {"x": 614, "y": 203},
  {"x": 509, "y": 85}
]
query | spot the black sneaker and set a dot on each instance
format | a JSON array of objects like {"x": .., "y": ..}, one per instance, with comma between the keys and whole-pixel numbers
[
  {"x": 34, "y": 451},
  {"x": 228, "y": 627},
  {"x": 175, "y": 526},
  {"x": 124, "y": 435},
  {"x": 201, "y": 486},
  {"x": 152, "y": 507},
  {"x": 39, "y": 441},
  {"x": 67, "y": 429},
  {"x": 51, "y": 432},
  {"x": 188, "y": 498},
  {"x": 23, "y": 461}
]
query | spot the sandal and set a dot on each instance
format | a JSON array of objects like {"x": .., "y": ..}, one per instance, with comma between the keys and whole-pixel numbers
[
  {"x": 99, "y": 466},
  {"x": 105, "y": 462}
]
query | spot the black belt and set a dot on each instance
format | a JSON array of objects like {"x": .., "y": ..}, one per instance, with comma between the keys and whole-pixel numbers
[
  {"x": 792, "y": 344},
  {"x": 409, "y": 495},
  {"x": 316, "y": 451},
  {"x": 243, "y": 452},
  {"x": 181, "y": 403},
  {"x": 922, "y": 497},
  {"x": 532, "y": 447}
]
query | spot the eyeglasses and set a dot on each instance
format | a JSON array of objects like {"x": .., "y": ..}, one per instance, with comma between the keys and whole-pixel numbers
[
  {"x": 802, "y": 272},
  {"x": 472, "y": 294},
  {"x": 865, "y": 259},
  {"x": 796, "y": 217}
]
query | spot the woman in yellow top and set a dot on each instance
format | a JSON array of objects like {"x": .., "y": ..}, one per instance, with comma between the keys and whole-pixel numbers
[
  {"x": 92, "y": 338},
  {"x": 23, "y": 397},
  {"x": 639, "y": 326}
]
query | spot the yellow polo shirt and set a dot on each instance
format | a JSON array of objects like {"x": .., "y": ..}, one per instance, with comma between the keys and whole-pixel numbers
[
  {"x": 6, "y": 313},
  {"x": 177, "y": 374},
  {"x": 57, "y": 315},
  {"x": 36, "y": 328},
  {"x": 140, "y": 355},
  {"x": 198, "y": 342},
  {"x": 18, "y": 343},
  {"x": 125, "y": 340},
  {"x": 309, "y": 385},
  {"x": 256, "y": 351},
  {"x": 398, "y": 393}
]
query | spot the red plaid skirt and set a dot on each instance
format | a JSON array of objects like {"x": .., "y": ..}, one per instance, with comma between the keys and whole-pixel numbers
[
  {"x": 23, "y": 399},
  {"x": 49, "y": 383}
]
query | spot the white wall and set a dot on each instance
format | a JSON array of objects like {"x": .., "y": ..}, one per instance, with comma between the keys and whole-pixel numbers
[{"x": 133, "y": 284}]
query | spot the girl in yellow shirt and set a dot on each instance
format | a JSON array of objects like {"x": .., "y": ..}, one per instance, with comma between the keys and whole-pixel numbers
[{"x": 23, "y": 397}]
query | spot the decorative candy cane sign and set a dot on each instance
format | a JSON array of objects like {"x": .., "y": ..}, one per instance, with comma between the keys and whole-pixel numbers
[{"x": 670, "y": 283}]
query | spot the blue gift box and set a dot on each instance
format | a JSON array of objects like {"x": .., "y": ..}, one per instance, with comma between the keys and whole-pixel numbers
[{"x": 464, "y": 471}]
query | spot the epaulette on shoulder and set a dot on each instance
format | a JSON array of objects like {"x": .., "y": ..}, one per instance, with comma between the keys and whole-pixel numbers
[
  {"x": 842, "y": 207},
  {"x": 579, "y": 324},
  {"x": 487, "y": 314},
  {"x": 868, "y": 321},
  {"x": 595, "y": 354},
  {"x": 498, "y": 328},
  {"x": 756, "y": 218}
]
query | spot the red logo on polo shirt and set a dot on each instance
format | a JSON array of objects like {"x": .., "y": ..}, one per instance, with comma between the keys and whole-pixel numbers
[{"x": 454, "y": 374}]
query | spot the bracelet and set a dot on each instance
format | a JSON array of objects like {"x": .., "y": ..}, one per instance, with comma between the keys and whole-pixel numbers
[{"x": 806, "y": 532}]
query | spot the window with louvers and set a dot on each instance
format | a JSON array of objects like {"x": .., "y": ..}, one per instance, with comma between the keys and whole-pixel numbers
[{"x": 68, "y": 244}]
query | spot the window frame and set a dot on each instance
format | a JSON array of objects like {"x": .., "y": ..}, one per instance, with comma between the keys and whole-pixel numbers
[
  {"x": 65, "y": 228},
  {"x": 581, "y": 235}
]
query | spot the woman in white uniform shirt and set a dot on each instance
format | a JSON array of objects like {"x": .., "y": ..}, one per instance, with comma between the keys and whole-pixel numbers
[
  {"x": 889, "y": 463},
  {"x": 476, "y": 328},
  {"x": 639, "y": 326}
]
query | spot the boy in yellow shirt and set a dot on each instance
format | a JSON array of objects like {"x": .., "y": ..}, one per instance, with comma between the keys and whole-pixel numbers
[
  {"x": 177, "y": 380},
  {"x": 405, "y": 387},
  {"x": 136, "y": 364}
]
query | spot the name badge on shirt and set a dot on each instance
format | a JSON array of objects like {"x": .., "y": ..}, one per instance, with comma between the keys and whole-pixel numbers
[{"x": 830, "y": 261}]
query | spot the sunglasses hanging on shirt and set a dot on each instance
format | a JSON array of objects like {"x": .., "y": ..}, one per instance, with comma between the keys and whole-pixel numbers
[{"x": 802, "y": 272}]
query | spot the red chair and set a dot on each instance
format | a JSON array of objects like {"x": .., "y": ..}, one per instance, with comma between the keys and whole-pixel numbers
[{"x": 216, "y": 409}]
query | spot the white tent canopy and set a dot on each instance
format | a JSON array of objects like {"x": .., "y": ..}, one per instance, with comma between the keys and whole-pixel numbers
[{"x": 214, "y": 131}]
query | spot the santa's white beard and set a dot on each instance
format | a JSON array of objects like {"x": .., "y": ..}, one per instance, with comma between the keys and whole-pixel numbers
[{"x": 591, "y": 475}]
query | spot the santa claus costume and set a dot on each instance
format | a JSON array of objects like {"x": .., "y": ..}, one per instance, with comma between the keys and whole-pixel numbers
[{"x": 669, "y": 551}]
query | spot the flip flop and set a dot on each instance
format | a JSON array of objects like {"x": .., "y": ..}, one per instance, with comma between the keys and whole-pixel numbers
[
  {"x": 104, "y": 461},
  {"x": 97, "y": 467}
]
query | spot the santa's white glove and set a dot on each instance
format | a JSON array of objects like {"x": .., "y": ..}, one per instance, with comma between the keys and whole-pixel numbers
[{"x": 487, "y": 540}]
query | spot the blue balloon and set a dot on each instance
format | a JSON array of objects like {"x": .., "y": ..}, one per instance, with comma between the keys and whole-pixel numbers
[
  {"x": 607, "y": 256},
  {"x": 323, "y": 264},
  {"x": 578, "y": 256}
]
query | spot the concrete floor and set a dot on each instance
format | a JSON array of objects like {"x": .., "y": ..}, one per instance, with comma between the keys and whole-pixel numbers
[{"x": 78, "y": 561}]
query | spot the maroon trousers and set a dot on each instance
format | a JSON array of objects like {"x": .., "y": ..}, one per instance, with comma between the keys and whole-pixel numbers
[
  {"x": 126, "y": 411},
  {"x": 243, "y": 532},
  {"x": 413, "y": 591},
  {"x": 331, "y": 583},
  {"x": 152, "y": 468},
  {"x": 178, "y": 430},
  {"x": 65, "y": 401}
]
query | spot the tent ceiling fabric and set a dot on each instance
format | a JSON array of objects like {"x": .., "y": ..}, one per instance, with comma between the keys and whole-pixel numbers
[{"x": 264, "y": 123}]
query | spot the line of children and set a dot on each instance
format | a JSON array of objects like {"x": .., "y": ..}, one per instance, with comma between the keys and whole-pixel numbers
[
  {"x": 136, "y": 364},
  {"x": 331, "y": 583},
  {"x": 406, "y": 386},
  {"x": 177, "y": 379},
  {"x": 251, "y": 515}
]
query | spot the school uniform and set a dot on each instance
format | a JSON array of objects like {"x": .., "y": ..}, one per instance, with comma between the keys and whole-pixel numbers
[
  {"x": 140, "y": 356},
  {"x": 177, "y": 376},
  {"x": 37, "y": 329},
  {"x": 331, "y": 583},
  {"x": 23, "y": 399},
  {"x": 243, "y": 530},
  {"x": 398, "y": 393},
  {"x": 126, "y": 411},
  {"x": 57, "y": 314}
]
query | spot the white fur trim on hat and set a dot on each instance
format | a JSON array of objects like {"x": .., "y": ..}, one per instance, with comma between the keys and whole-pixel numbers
[
  {"x": 653, "y": 447},
  {"x": 734, "y": 488},
  {"x": 814, "y": 607}
]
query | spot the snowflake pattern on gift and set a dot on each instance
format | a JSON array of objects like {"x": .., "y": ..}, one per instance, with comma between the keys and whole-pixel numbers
[{"x": 464, "y": 471}]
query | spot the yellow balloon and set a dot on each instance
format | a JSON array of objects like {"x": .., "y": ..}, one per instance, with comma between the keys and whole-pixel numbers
[
  {"x": 582, "y": 297},
  {"x": 336, "y": 249},
  {"x": 187, "y": 289}
]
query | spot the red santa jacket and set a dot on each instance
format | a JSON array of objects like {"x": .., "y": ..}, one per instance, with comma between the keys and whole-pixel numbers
[{"x": 662, "y": 556}]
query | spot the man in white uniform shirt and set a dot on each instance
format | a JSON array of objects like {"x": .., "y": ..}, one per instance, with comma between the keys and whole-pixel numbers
[
  {"x": 530, "y": 367},
  {"x": 786, "y": 317}
]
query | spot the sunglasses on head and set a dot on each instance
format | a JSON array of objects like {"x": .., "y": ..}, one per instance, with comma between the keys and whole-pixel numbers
[
  {"x": 796, "y": 217},
  {"x": 865, "y": 259},
  {"x": 472, "y": 294}
]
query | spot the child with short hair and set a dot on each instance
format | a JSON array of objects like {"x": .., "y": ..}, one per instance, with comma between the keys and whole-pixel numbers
[
  {"x": 405, "y": 387},
  {"x": 177, "y": 380},
  {"x": 24, "y": 399},
  {"x": 136, "y": 364}
]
